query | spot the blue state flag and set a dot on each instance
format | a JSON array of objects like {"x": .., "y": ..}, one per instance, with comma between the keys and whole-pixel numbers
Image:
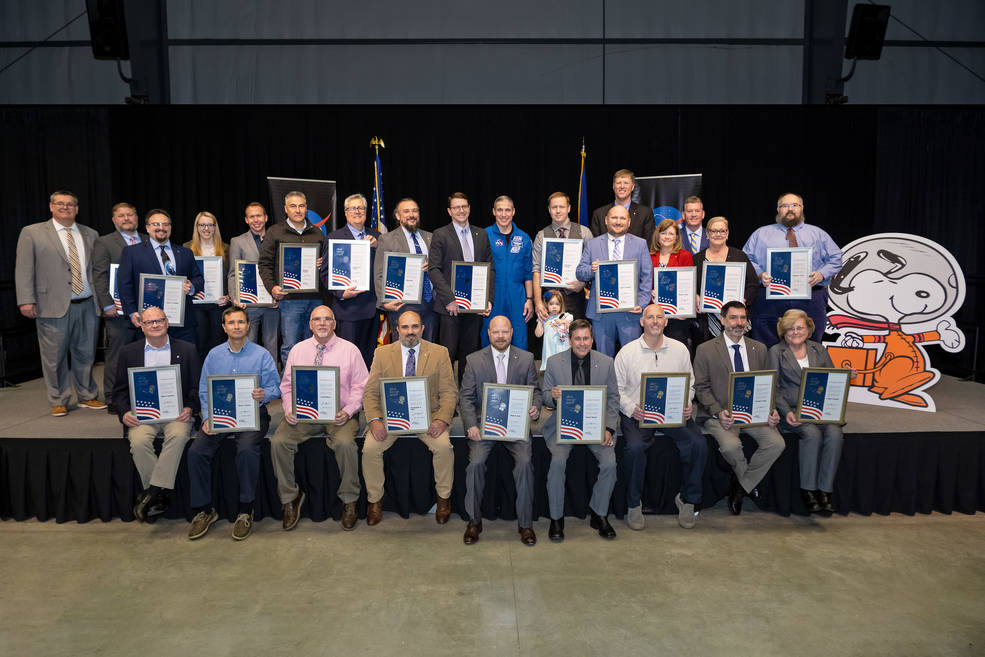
[
  {"x": 496, "y": 419},
  {"x": 376, "y": 215},
  {"x": 655, "y": 401},
  {"x": 572, "y": 418},
  {"x": 815, "y": 390},
  {"x": 306, "y": 384},
  {"x": 553, "y": 261},
  {"x": 342, "y": 264},
  {"x": 742, "y": 398},
  {"x": 608, "y": 286},
  {"x": 583, "y": 217},
  {"x": 397, "y": 406},
  {"x": 223, "y": 411},
  {"x": 714, "y": 294},
  {"x": 780, "y": 271},
  {"x": 667, "y": 291},
  {"x": 463, "y": 286},
  {"x": 248, "y": 291},
  {"x": 146, "y": 396}
]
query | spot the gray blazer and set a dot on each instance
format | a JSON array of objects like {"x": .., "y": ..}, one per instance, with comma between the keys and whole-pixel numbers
[
  {"x": 241, "y": 247},
  {"x": 107, "y": 252},
  {"x": 481, "y": 368},
  {"x": 396, "y": 242},
  {"x": 782, "y": 360},
  {"x": 558, "y": 373},
  {"x": 42, "y": 274},
  {"x": 712, "y": 366}
]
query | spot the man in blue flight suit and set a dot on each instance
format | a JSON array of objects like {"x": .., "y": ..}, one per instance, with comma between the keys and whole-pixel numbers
[{"x": 512, "y": 252}]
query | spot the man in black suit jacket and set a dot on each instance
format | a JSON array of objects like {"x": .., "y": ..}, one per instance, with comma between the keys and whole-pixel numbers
[
  {"x": 157, "y": 474},
  {"x": 640, "y": 216},
  {"x": 460, "y": 333},
  {"x": 355, "y": 312},
  {"x": 105, "y": 253}
]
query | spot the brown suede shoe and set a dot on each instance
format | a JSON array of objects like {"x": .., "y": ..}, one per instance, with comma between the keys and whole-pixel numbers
[
  {"x": 443, "y": 512},
  {"x": 527, "y": 536},
  {"x": 349, "y": 516},
  {"x": 472, "y": 533},
  {"x": 374, "y": 513},
  {"x": 292, "y": 511}
]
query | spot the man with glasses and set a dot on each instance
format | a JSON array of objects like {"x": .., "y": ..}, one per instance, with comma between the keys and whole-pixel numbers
[
  {"x": 54, "y": 284},
  {"x": 263, "y": 321},
  {"x": 157, "y": 473},
  {"x": 157, "y": 255},
  {"x": 355, "y": 311},
  {"x": 789, "y": 230}
]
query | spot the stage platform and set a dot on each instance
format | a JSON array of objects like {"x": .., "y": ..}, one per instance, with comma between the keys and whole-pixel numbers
[{"x": 78, "y": 467}]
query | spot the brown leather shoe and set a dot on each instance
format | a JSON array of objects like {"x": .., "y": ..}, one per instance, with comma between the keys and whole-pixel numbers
[
  {"x": 292, "y": 511},
  {"x": 59, "y": 411},
  {"x": 349, "y": 516},
  {"x": 527, "y": 536},
  {"x": 472, "y": 533},
  {"x": 443, "y": 512},
  {"x": 374, "y": 513}
]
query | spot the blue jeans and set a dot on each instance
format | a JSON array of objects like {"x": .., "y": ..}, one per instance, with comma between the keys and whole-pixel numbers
[
  {"x": 294, "y": 316},
  {"x": 247, "y": 462},
  {"x": 690, "y": 443}
]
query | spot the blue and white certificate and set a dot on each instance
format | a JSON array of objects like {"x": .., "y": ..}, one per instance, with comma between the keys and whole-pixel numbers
[
  {"x": 673, "y": 290},
  {"x": 581, "y": 415},
  {"x": 559, "y": 259},
  {"x": 823, "y": 395},
  {"x": 663, "y": 398},
  {"x": 166, "y": 293},
  {"x": 790, "y": 273},
  {"x": 471, "y": 285},
  {"x": 406, "y": 406},
  {"x": 155, "y": 393},
  {"x": 617, "y": 283},
  {"x": 231, "y": 404},
  {"x": 211, "y": 268},
  {"x": 250, "y": 290},
  {"x": 751, "y": 397},
  {"x": 505, "y": 412},
  {"x": 721, "y": 282},
  {"x": 315, "y": 393},
  {"x": 403, "y": 276},
  {"x": 298, "y": 271},
  {"x": 114, "y": 288},
  {"x": 348, "y": 262}
]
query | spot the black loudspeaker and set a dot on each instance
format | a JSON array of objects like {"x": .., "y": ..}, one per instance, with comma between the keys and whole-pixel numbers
[
  {"x": 107, "y": 29},
  {"x": 867, "y": 31}
]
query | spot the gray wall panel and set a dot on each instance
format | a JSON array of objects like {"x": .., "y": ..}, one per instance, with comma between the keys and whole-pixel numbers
[
  {"x": 778, "y": 19},
  {"x": 33, "y": 20},
  {"x": 60, "y": 75},
  {"x": 950, "y": 20},
  {"x": 918, "y": 76}
]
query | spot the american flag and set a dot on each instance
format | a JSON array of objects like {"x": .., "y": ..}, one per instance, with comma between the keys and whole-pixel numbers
[
  {"x": 248, "y": 283},
  {"x": 223, "y": 411},
  {"x": 292, "y": 268},
  {"x": 145, "y": 396},
  {"x": 572, "y": 403},
  {"x": 553, "y": 259},
  {"x": 609, "y": 286},
  {"x": 341, "y": 264},
  {"x": 714, "y": 294},
  {"x": 780, "y": 273},
  {"x": 667, "y": 291},
  {"x": 814, "y": 393},
  {"x": 463, "y": 286},
  {"x": 394, "y": 283},
  {"x": 655, "y": 401},
  {"x": 307, "y": 394},
  {"x": 497, "y": 412},
  {"x": 742, "y": 397},
  {"x": 397, "y": 409}
]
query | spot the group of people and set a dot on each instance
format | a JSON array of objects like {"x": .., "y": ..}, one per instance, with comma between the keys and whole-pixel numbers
[{"x": 62, "y": 276}]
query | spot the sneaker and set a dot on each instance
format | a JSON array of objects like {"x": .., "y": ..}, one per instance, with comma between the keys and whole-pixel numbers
[
  {"x": 59, "y": 411},
  {"x": 92, "y": 404},
  {"x": 634, "y": 517},
  {"x": 201, "y": 523},
  {"x": 686, "y": 515},
  {"x": 243, "y": 526}
]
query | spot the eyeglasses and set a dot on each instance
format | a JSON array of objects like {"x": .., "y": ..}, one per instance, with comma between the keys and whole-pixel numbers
[
  {"x": 158, "y": 224},
  {"x": 153, "y": 322},
  {"x": 356, "y": 209},
  {"x": 790, "y": 206},
  {"x": 718, "y": 231},
  {"x": 63, "y": 204},
  {"x": 206, "y": 226},
  {"x": 459, "y": 208}
]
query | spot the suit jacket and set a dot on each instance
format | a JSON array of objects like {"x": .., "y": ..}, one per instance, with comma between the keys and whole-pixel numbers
[
  {"x": 712, "y": 366},
  {"x": 107, "y": 251},
  {"x": 42, "y": 274},
  {"x": 733, "y": 255},
  {"x": 447, "y": 247},
  {"x": 480, "y": 368},
  {"x": 702, "y": 243},
  {"x": 363, "y": 305},
  {"x": 432, "y": 362},
  {"x": 241, "y": 247},
  {"x": 634, "y": 248},
  {"x": 603, "y": 373},
  {"x": 788, "y": 371},
  {"x": 640, "y": 221},
  {"x": 393, "y": 241},
  {"x": 182, "y": 353},
  {"x": 138, "y": 259}
]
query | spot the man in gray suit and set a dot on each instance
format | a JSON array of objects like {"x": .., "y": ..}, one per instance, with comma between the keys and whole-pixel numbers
[
  {"x": 53, "y": 274},
  {"x": 247, "y": 247},
  {"x": 582, "y": 365},
  {"x": 504, "y": 364},
  {"x": 715, "y": 360},
  {"x": 120, "y": 330}
]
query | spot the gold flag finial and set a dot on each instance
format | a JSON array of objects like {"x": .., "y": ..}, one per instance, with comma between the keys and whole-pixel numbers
[
  {"x": 377, "y": 143},
  {"x": 583, "y": 146}
]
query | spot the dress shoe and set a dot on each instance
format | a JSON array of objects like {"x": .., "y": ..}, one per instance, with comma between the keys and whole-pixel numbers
[
  {"x": 443, "y": 511},
  {"x": 201, "y": 523},
  {"x": 374, "y": 513},
  {"x": 556, "y": 532},
  {"x": 92, "y": 405},
  {"x": 292, "y": 511},
  {"x": 349, "y": 516},
  {"x": 472, "y": 532},
  {"x": 810, "y": 501},
  {"x": 527, "y": 536},
  {"x": 140, "y": 508},
  {"x": 601, "y": 523},
  {"x": 824, "y": 499},
  {"x": 243, "y": 526},
  {"x": 686, "y": 515},
  {"x": 735, "y": 495},
  {"x": 158, "y": 506},
  {"x": 634, "y": 517}
]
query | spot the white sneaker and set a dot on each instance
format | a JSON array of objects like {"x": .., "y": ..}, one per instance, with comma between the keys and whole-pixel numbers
[
  {"x": 686, "y": 515},
  {"x": 634, "y": 517}
]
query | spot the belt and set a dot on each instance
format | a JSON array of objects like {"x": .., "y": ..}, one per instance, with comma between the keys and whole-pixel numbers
[{"x": 88, "y": 298}]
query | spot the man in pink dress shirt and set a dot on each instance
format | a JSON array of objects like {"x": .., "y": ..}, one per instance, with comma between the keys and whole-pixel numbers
[{"x": 322, "y": 348}]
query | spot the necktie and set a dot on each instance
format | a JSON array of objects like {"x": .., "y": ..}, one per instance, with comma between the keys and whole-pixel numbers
[
  {"x": 791, "y": 237},
  {"x": 560, "y": 232},
  {"x": 694, "y": 242},
  {"x": 166, "y": 261},
  {"x": 411, "y": 369},
  {"x": 501, "y": 368},
  {"x": 580, "y": 373},
  {"x": 737, "y": 359},
  {"x": 714, "y": 325},
  {"x": 362, "y": 235},
  {"x": 319, "y": 354},
  {"x": 426, "y": 291},
  {"x": 466, "y": 247},
  {"x": 73, "y": 262},
  {"x": 616, "y": 249}
]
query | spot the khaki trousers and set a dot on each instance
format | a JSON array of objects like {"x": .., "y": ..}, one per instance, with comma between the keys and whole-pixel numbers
[
  {"x": 442, "y": 458},
  {"x": 158, "y": 470},
  {"x": 340, "y": 439}
]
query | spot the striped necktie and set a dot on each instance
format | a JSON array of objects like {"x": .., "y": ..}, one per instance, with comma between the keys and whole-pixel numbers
[{"x": 74, "y": 263}]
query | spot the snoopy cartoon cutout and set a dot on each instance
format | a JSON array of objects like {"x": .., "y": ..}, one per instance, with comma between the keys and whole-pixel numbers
[{"x": 894, "y": 294}]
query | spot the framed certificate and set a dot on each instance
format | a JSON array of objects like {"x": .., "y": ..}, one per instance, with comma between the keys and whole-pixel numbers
[
  {"x": 721, "y": 282},
  {"x": 790, "y": 271},
  {"x": 348, "y": 262},
  {"x": 250, "y": 290},
  {"x": 581, "y": 415},
  {"x": 406, "y": 404},
  {"x": 673, "y": 290},
  {"x": 403, "y": 276},
  {"x": 315, "y": 393},
  {"x": 750, "y": 398},
  {"x": 617, "y": 283},
  {"x": 155, "y": 393},
  {"x": 165, "y": 292},
  {"x": 114, "y": 289},
  {"x": 231, "y": 404},
  {"x": 297, "y": 271},
  {"x": 663, "y": 398},
  {"x": 505, "y": 412},
  {"x": 211, "y": 268},
  {"x": 471, "y": 281},
  {"x": 823, "y": 395},
  {"x": 559, "y": 258}
]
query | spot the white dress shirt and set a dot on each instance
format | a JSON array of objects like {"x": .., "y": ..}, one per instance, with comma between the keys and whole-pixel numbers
[{"x": 742, "y": 351}]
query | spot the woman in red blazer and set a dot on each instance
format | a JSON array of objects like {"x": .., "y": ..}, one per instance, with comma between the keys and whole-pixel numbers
[{"x": 666, "y": 247}]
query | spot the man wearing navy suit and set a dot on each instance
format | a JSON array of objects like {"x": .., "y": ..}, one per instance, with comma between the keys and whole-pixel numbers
[
  {"x": 616, "y": 244},
  {"x": 157, "y": 255},
  {"x": 641, "y": 217},
  {"x": 355, "y": 312},
  {"x": 693, "y": 236}
]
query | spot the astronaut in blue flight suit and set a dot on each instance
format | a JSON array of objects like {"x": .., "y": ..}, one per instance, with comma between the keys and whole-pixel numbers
[{"x": 512, "y": 252}]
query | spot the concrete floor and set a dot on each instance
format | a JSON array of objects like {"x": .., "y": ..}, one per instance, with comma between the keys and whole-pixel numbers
[{"x": 757, "y": 584}]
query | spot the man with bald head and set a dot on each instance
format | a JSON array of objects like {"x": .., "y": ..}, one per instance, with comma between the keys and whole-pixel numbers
[
  {"x": 503, "y": 364},
  {"x": 323, "y": 348},
  {"x": 410, "y": 356}
]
